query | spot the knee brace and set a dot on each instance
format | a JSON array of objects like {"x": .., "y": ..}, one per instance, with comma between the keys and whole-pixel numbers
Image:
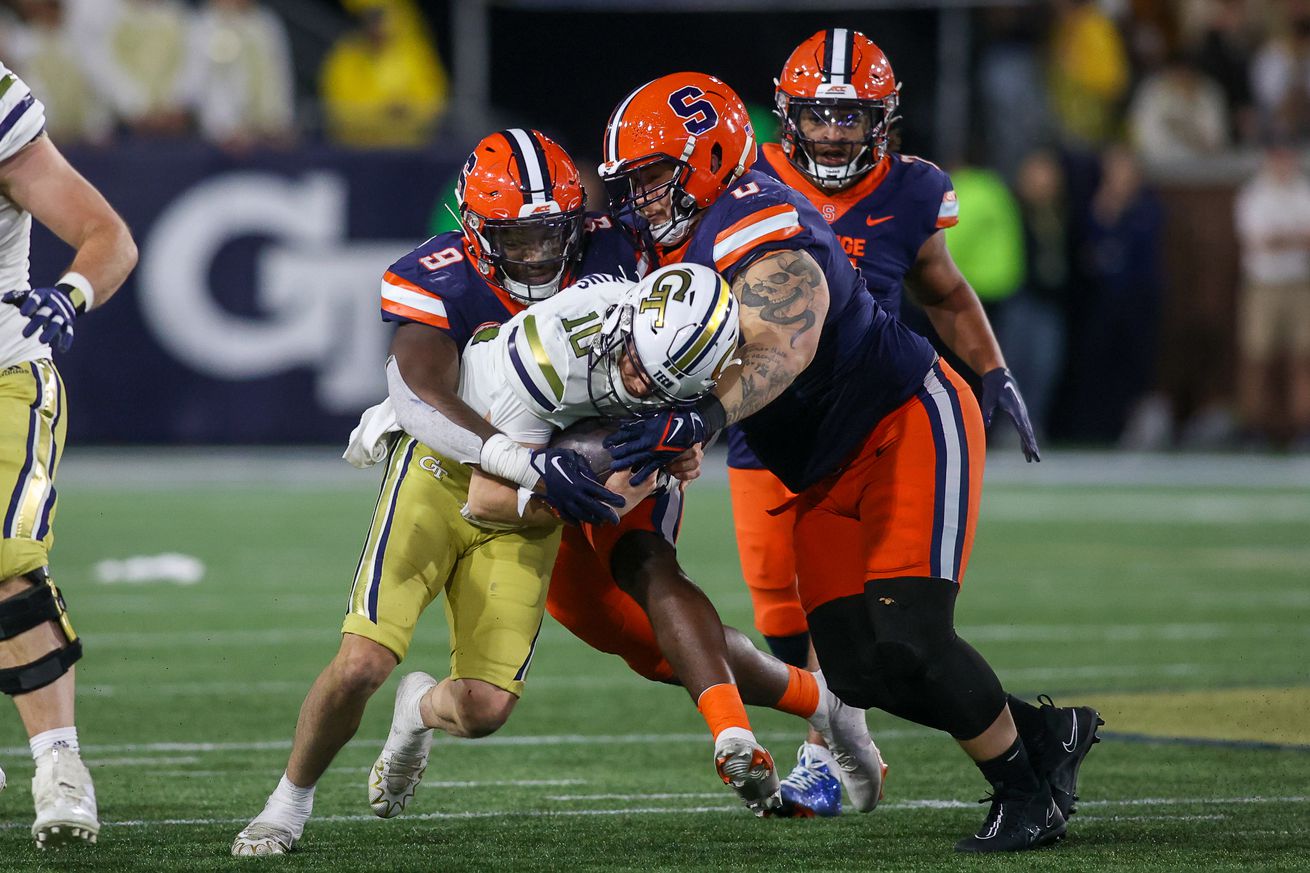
[
  {"x": 933, "y": 675},
  {"x": 913, "y": 621},
  {"x": 32, "y": 608}
]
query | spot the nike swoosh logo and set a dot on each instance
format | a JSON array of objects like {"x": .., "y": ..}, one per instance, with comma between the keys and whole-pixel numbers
[
  {"x": 1073, "y": 739},
  {"x": 677, "y": 426},
  {"x": 871, "y": 221},
  {"x": 555, "y": 463}
]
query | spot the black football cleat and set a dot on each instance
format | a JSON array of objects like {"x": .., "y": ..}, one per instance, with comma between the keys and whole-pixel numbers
[
  {"x": 1070, "y": 735},
  {"x": 1016, "y": 823}
]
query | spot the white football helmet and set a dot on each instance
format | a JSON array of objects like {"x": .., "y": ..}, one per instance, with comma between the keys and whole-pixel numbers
[{"x": 672, "y": 336}]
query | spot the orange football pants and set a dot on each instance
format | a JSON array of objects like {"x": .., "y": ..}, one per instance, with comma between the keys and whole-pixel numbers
[
  {"x": 906, "y": 505},
  {"x": 764, "y": 513},
  {"x": 585, "y": 598}
]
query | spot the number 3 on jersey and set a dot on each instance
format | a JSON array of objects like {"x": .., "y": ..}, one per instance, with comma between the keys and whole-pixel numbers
[{"x": 443, "y": 258}]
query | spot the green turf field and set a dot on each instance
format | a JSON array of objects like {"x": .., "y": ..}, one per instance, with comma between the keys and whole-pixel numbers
[{"x": 1182, "y": 611}]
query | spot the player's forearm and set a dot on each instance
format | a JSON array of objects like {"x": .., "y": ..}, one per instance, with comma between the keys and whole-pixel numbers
[
  {"x": 764, "y": 373},
  {"x": 498, "y": 504},
  {"x": 445, "y": 424},
  {"x": 961, "y": 322},
  {"x": 105, "y": 256}
]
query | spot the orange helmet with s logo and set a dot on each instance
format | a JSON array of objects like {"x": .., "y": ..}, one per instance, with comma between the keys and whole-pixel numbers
[
  {"x": 841, "y": 85},
  {"x": 521, "y": 207},
  {"x": 690, "y": 123}
]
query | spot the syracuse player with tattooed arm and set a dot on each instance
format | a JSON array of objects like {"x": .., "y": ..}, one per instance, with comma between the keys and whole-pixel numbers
[
  {"x": 837, "y": 99},
  {"x": 881, "y": 443},
  {"x": 525, "y": 235}
]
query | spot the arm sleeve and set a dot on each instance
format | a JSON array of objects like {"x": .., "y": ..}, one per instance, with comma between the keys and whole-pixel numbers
[{"x": 427, "y": 423}]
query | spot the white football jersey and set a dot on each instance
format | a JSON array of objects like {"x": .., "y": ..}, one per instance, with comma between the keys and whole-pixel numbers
[
  {"x": 22, "y": 117},
  {"x": 529, "y": 375}
]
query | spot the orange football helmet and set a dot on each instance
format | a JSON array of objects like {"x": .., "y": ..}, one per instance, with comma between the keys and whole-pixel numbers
[
  {"x": 691, "y": 123},
  {"x": 521, "y": 207},
  {"x": 838, "y": 82}
]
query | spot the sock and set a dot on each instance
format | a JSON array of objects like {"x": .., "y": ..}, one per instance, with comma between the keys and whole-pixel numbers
[
  {"x": 1028, "y": 719},
  {"x": 802, "y": 694},
  {"x": 411, "y": 711},
  {"x": 1010, "y": 772},
  {"x": 64, "y": 738},
  {"x": 793, "y": 650},
  {"x": 292, "y": 797},
  {"x": 721, "y": 707}
]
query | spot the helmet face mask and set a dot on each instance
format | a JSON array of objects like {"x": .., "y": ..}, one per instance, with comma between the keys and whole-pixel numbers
[
  {"x": 835, "y": 142},
  {"x": 530, "y": 257},
  {"x": 609, "y": 386},
  {"x": 837, "y": 99},
  {"x": 665, "y": 343},
  {"x": 640, "y": 186},
  {"x": 521, "y": 207}
]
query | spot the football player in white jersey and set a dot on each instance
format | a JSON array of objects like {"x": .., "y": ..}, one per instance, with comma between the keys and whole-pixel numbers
[
  {"x": 444, "y": 526},
  {"x": 38, "y": 646}
]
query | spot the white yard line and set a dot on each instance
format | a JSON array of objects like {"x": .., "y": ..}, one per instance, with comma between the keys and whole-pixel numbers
[
  {"x": 90, "y": 750},
  {"x": 695, "y": 810}
]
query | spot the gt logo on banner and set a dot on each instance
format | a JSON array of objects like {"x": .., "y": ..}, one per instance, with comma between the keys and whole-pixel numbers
[
  {"x": 313, "y": 285},
  {"x": 690, "y": 103}
]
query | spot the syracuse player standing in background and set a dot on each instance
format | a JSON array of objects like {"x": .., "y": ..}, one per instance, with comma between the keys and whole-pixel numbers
[
  {"x": 37, "y": 644},
  {"x": 837, "y": 99}
]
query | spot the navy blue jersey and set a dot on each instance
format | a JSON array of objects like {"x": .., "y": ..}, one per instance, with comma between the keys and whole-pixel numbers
[
  {"x": 867, "y": 363},
  {"x": 438, "y": 285},
  {"x": 881, "y": 222}
]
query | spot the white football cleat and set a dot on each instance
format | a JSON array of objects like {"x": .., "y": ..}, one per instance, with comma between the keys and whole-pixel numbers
[
  {"x": 2, "y": 779},
  {"x": 65, "y": 800},
  {"x": 264, "y": 837},
  {"x": 748, "y": 767},
  {"x": 397, "y": 771},
  {"x": 859, "y": 763}
]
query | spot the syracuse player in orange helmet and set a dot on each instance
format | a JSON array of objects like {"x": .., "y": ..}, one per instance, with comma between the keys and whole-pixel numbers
[
  {"x": 837, "y": 98},
  {"x": 881, "y": 442}
]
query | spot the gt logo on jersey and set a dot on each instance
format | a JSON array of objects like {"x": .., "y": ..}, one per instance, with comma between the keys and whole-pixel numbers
[
  {"x": 675, "y": 283},
  {"x": 688, "y": 103}
]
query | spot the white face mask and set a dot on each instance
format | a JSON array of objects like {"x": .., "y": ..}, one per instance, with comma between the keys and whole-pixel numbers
[{"x": 673, "y": 232}]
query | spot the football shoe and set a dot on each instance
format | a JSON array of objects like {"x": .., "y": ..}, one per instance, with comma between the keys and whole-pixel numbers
[
  {"x": 65, "y": 800},
  {"x": 1071, "y": 731},
  {"x": 812, "y": 788},
  {"x": 1016, "y": 822},
  {"x": 398, "y": 770},
  {"x": 859, "y": 763},
  {"x": 748, "y": 767},
  {"x": 265, "y": 837}
]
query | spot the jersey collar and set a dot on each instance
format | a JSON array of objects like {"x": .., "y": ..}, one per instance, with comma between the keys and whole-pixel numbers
[{"x": 837, "y": 203}]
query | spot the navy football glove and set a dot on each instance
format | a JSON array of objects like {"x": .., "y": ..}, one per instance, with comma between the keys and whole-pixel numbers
[
  {"x": 49, "y": 310},
  {"x": 572, "y": 489},
  {"x": 1000, "y": 389},
  {"x": 648, "y": 442}
]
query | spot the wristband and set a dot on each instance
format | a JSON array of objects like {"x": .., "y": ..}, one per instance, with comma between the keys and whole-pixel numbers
[
  {"x": 501, "y": 456},
  {"x": 712, "y": 413},
  {"x": 79, "y": 290}
]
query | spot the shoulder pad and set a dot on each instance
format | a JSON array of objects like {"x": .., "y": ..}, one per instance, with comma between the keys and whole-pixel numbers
[{"x": 22, "y": 116}]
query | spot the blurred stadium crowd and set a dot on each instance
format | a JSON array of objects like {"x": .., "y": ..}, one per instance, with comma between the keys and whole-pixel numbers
[{"x": 1134, "y": 212}]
